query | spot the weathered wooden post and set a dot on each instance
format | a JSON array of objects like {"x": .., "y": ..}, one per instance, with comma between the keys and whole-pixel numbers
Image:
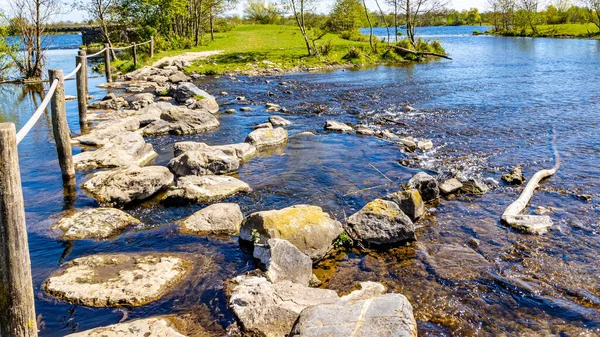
[
  {"x": 17, "y": 308},
  {"x": 151, "y": 46},
  {"x": 134, "y": 52},
  {"x": 107, "y": 62},
  {"x": 82, "y": 89},
  {"x": 60, "y": 127}
]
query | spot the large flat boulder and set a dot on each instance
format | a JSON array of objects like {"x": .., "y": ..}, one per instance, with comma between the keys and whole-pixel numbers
[
  {"x": 122, "y": 186},
  {"x": 94, "y": 223},
  {"x": 389, "y": 315},
  {"x": 183, "y": 121},
  {"x": 270, "y": 309},
  {"x": 284, "y": 262},
  {"x": 215, "y": 219},
  {"x": 243, "y": 151},
  {"x": 338, "y": 126},
  {"x": 116, "y": 280},
  {"x": 104, "y": 132},
  {"x": 122, "y": 150},
  {"x": 209, "y": 188},
  {"x": 382, "y": 222},
  {"x": 205, "y": 162},
  {"x": 267, "y": 137},
  {"x": 307, "y": 227},
  {"x": 147, "y": 327}
]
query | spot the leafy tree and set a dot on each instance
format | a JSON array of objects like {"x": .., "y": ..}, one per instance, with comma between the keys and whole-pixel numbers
[
  {"x": 102, "y": 12},
  {"x": 594, "y": 11},
  {"x": 260, "y": 12},
  {"x": 347, "y": 15}
]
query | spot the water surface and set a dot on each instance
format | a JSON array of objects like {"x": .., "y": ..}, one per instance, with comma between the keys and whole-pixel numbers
[{"x": 489, "y": 109}]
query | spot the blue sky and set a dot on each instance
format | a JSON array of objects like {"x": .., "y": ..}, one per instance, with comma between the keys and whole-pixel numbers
[{"x": 323, "y": 6}]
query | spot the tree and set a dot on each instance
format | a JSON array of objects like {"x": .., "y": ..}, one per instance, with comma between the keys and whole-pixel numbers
[
  {"x": 5, "y": 50},
  {"x": 347, "y": 15},
  {"x": 215, "y": 8},
  {"x": 102, "y": 12},
  {"x": 299, "y": 8},
  {"x": 473, "y": 16},
  {"x": 260, "y": 12},
  {"x": 413, "y": 9},
  {"x": 594, "y": 11},
  {"x": 530, "y": 13},
  {"x": 32, "y": 16}
]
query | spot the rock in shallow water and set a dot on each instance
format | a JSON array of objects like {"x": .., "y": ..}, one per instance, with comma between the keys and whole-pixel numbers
[
  {"x": 382, "y": 222},
  {"x": 118, "y": 151},
  {"x": 531, "y": 224},
  {"x": 410, "y": 203},
  {"x": 279, "y": 121},
  {"x": 338, "y": 126},
  {"x": 284, "y": 262},
  {"x": 426, "y": 185},
  {"x": 307, "y": 227},
  {"x": 203, "y": 163},
  {"x": 266, "y": 137},
  {"x": 389, "y": 315},
  {"x": 515, "y": 177},
  {"x": 95, "y": 223},
  {"x": 243, "y": 151},
  {"x": 116, "y": 280},
  {"x": 453, "y": 262},
  {"x": 147, "y": 327},
  {"x": 122, "y": 186},
  {"x": 216, "y": 219},
  {"x": 267, "y": 309},
  {"x": 450, "y": 186},
  {"x": 206, "y": 188}
]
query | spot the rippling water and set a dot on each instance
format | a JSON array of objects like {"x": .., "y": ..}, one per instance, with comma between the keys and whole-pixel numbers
[{"x": 491, "y": 108}]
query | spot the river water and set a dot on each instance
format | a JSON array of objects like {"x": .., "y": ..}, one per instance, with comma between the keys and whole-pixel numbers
[{"x": 489, "y": 109}]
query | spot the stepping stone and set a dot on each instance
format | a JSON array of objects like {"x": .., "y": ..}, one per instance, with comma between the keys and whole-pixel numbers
[
  {"x": 210, "y": 188},
  {"x": 216, "y": 219},
  {"x": 117, "y": 280},
  {"x": 266, "y": 137},
  {"x": 95, "y": 223},
  {"x": 122, "y": 150},
  {"x": 243, "y": 151},
  {"x": 338, "y": 126},
  {"x": 122, "y": 186},
  {"x": 154, "y": 326},
  {"x": 279, "y": 121}
]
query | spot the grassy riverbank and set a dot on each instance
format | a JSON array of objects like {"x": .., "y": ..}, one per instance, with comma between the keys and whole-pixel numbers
[
  {"x": 252, "y": 48},
  {"x": 572, "y": 30}
]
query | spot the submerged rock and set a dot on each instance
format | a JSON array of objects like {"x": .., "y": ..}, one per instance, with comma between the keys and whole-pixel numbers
[
  {"x": 203, "y": 163},
  {"x": 424, "y": 145},
  {"x": 94, "y": 223},
  {"x": 474, "y": 186},
  {"x": 122, "y": 186},
  {"x": 338, "y": 126},
  {"x": 214, "y": 219},
  {"x": 389, "y": 315},
  {"x": 307, "y": 227},
  {"x": 454, "y": 262},
  {"x": 531, "y": 224},
  {"x": 116, "y": 280},
  {"x": 382, "y": 222},
  {"x": 270, "y": 309},
  {"x": 515, "y": 177},
  {"x": 408, "y": 143},
  {"x": 279, "y": 121},
  {"x": 147, "y": 327},
  {"x": 450, "y": 186},
  {"x": 284, "y": 262},
  {"x": 426, "y": 185},
  {"x": 206, "y": 188},
  {"x": 267, "y": 137},
  {"x": 410, "y": 203}
]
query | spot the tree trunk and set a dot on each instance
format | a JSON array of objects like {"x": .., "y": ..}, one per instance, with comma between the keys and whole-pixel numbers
[
  {"x": 385, "y": 22},
  {"x": 370, "y": 24},
  {"x": 212, "y": 28}
]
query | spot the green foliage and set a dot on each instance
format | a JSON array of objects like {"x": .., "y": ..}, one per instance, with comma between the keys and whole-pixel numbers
[
  {"x": 353, "y": 35},
  {"x": 255, "y": 236},
  {"x": 257, "y": 11},
  {"x": 344, "y": 240},
  {"x": 346, "y": 16}
]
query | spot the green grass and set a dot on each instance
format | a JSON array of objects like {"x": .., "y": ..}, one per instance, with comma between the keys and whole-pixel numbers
[
  {"x": 252, "y": 47},
  {"x": 580, "y": 30}
]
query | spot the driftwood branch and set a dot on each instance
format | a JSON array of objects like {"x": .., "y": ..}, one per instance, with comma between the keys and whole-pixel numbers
[
  {"x": 421, "y": 53},
  {"x": 531, "y": 223}
]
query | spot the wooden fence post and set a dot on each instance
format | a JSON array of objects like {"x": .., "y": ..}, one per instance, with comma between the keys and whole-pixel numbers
[
  {"x": 134, "y": 51},
  {"x": 82, "y": 89},
  {"x": 107, "y": 62},
  {"x": 60, "y": 127},
  {"x": 151, "y": 46},
  {"x": 17, "y": 305}
]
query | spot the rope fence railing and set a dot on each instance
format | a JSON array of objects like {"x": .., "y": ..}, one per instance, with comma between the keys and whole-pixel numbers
[
  {"x": 96, "y": 54},
  {"x": 17, "y": 298},
  {"x": 107, "y": 55}
]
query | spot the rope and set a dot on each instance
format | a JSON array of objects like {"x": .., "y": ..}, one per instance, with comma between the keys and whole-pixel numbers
[
  {"x": 138, "y": 44},
  {"x": 71, "y": 74},
  {"x": 122, "y": 48},
  {"x": 143, "y": 43},
  {"x": 98, "y": 53},
  {"x": 36, "y": 115}
]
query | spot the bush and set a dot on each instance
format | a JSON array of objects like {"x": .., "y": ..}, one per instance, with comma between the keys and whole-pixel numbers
[
  {"x": 353, "y": 53},
  {"x": 353, "y": 35}
]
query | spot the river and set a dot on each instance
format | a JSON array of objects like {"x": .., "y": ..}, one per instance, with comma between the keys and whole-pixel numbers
[{"x": 489, "y": 109}]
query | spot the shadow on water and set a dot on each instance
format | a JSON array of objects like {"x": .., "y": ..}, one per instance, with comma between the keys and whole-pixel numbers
[{"x": 490, "y": 109}]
